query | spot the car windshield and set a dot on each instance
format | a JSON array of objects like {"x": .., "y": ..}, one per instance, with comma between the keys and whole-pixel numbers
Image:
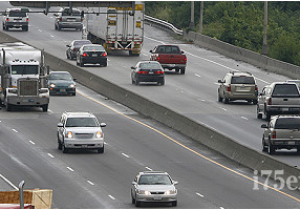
[
  {"x": 242, "y": 80},
  {"x": 290, "y": 90},
  {"x": 155, "y": 180},
  {"x": 287, "y": 123},
  {"x": 82, "y": 122},
  {"x": 93, "y": 48},
  {"x": 59, "y": 76},
  {"x": 24, "y": 69},
  {"x": 150, "y": 66}
]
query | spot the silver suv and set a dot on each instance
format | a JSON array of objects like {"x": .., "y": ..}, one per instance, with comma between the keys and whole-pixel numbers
[
  {"x": 238, "y": 86},
  {"x": 15, "y": 18},
  {"x": 282, "y": 132},
  {"x": 153, "y": 186},
  {"x": 66, "y": 18},
  {"x": 278, "y": 98},
  {"x": 80, "y": 130}
]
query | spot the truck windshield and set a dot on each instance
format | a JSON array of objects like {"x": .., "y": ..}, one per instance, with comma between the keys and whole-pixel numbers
[{"x": 24, "y": 69}]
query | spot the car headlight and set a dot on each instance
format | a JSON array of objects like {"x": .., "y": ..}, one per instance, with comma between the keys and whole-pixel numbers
[
  {"x": 71, "y": 86},
  {"x": 69, "y": 134},
  {"x": 143, "y": 192},
  {"x": 99, "y": 134},
  {"x": 44, "y": 90},
  {"x": 169, "y": 192},
  {"x": 52, "y": 85}
]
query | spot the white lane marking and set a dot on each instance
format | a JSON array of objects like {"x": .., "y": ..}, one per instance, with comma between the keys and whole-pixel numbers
[
  {"x": 52, "y": 36},
  {"x": 0, "y": 121},
  {"x": 202, "y": 196},
  {"x": 31, "y": 142},
  {"x": 40, "y": 30},
  {"x": 70, "y": 168},
  {"x": 222, "y": 208},
  {"x": 263, "y": 81},
  {"x": 50, "y": 111},
  {"x": 144, "y": 54},
  {"x": 223, "y": 108},
  {"x": 50, "y": 155},
  {"x": 125, "y": 155},
  {"x": 150, "y": 169},
  {"x": 91, "y": 183},
  {"x": 197, "y": 75},
  {"x": 245, "y": 118},
  {"x": 112, "y": 197},
  {"x": 15, "y": 130},
  {"x": 8, "y": 182},
  {"x": 154, "y": 40}
]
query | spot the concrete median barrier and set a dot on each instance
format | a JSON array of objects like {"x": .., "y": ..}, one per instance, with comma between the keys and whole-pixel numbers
[{"x": 201, "y": 133}]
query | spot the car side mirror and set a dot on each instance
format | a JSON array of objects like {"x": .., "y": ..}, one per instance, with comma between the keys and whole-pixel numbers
[
  {"x": 55, "y": 14},
  {"x": 133, "y": 183},
  {"x": 182, "y": 52},
  {"x": 132, "y": 67},
  {"x": 151, "y": 51},
  {"x": 175, "y": 182},
  {"x": 102, "y": 125},
  {"x": 68, "y": 45},
  {"x": 60, "y": 125},
  {"x": 74, "y": 79},
  {"x": 220, "y": 81},
  {"x": 264, "y": 126},
  {"x": 261, "y": 94}
]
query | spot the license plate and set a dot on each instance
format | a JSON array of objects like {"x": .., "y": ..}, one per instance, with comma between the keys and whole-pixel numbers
[
  {"x": 84, "y": 146},
  {"x": 62, "y": 90},
  {"x": 151, "y": 72},
  {"x": 291, "y": 142},
  {"x": 28, "y": 100},
  {"x": 172, "y": 65},
  {"x": 285, "y": 109},
  {"x": 71, "y": 20},
  {"x": 94, "y": 55}
]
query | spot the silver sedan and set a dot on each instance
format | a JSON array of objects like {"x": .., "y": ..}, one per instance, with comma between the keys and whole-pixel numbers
[{"x": 153, "y": 187}]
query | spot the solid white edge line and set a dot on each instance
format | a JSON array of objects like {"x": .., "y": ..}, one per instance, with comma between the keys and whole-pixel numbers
[
  {"x": 15, "y": 130},
  {"x": 8, "y": 182},
  {"x": 112, "y": 197},
  {"x": 91, "y": 183},
  {"x": 125, "y": 155},
  {"x": 69, "y": 168}
]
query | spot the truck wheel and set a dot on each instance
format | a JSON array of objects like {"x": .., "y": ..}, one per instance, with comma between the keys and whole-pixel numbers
[
  {"x": 101, "y": 150},
  {"x": 271, "y": 149},
  {"x": 182, "y": 70},
  {"x": 64, "y": 149},
  {"x": 264, "y": 146},
  {"x": 8, "y": 107},
  {"x": 45, "y": 108}
]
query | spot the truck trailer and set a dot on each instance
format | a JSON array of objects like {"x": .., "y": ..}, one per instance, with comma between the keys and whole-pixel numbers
[
  {"x": 116, "y": 28},
  {"x": 23, "y": 76}
]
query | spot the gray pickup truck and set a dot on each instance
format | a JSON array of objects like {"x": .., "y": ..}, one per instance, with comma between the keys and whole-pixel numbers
[
  {"x": 282, "y": 132},
  {"x": 278, "y": 98}
]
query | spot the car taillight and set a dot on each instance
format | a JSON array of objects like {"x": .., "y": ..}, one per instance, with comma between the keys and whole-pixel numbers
[
  {"x": 270, "y": 101},
  {"x": 84, "y": 54},
  {"x": 7, "y": 19},
  {"x": 159, "y": 72},
  {"x": 256, "y": 87},
  {"x": 229, "y": 88},
  {"x": 142, "y": 72},
  {"x": 60, "y": 19},
  {"x": 104, "y": 54},
  {"x": 273, "y": 134},
  {"x": 27, "y": 19},
  {"x": 185, "y": 59},
  {"x": 158, "y": 58}
]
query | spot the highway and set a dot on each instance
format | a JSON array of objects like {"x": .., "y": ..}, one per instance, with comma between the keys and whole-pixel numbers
[{"x": 133, "y": 143}]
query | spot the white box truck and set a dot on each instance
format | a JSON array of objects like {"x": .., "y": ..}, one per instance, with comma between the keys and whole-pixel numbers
[
  {"x": 116, "y": 28},
  {"x": 23, "y": 76}
]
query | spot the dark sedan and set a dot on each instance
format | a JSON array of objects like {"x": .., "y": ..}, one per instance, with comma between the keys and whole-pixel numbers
[
  {"x": 91, "y": 53},
  {"x": 73, "y": 48},
  {"x": 61, "y": 82},
  {"x": 147, "y": 71}
]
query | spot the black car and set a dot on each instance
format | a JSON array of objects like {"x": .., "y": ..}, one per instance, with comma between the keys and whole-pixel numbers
[
  {"x": 74, "y": 46},
  {"x": 61, "y": 82},
  {"x": 147, "y": 71},
  {"x": 91, "y": 53}
]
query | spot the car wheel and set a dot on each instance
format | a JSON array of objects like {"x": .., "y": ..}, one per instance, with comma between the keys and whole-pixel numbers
[
  {"x": 59, "y": 145},
  {"x": 101, "y": 150},
  {"x": 68, "y": 57},
  {"x": 81, "y": 63},
  {"x": 74, "y": 94},
  {"x": 268, "y": 116},
  {"x": 132, "y": 199},
  {"x": 137, "y": 203},
  {"x": 64, "y": 149},
  {"x": 271, "y": 149},
  {"x": 174, "y": 203},
  {"x": 105, "y": 64},
  {"x": 137, "y": 82},
  {"x": 226, "y": 101},
  {"x": 298, "y": 150},
  {"x": 132, "y": 81},
  {"x": 264, "y": 146}
]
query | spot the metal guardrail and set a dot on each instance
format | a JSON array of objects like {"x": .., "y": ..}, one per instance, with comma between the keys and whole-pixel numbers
[{"x": 164, "y": 24}]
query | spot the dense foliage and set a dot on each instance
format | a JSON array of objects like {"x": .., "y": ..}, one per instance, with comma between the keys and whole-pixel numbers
[{"x": 240, "y": 23}]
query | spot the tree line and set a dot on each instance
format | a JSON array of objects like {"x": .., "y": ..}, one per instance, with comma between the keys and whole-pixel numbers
[{"x": 239, "y": 23}]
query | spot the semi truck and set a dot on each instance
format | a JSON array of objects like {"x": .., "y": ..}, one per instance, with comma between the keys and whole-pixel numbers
[
  {"x": 23, "y": 76},
  {"x": 116, "y": 28}
]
